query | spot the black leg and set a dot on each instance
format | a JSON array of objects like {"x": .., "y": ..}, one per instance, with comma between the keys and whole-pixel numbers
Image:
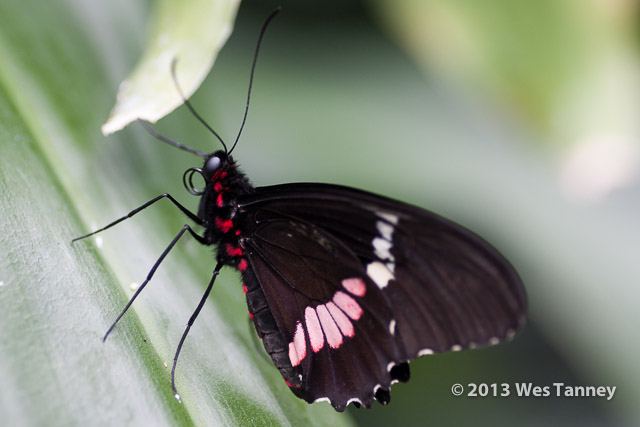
[
  {"x": 186, "y": 211},
  {"x": 192, "y": 319},
  {"x": 153, "y": 270}
]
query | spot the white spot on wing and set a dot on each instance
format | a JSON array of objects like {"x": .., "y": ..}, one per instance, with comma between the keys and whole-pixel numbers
[
  {"x": 393, "y": 219},
  {"x": 383, "y": 243},
  {"x": 456, "y": 347},
  {"x": 354, "y": 399},
  {"x": 494, "y": 340},
  {"x": 390, "y": 366},
  {"x": 379, "y": 273},
  {"x": 385, "y": 229},
  {"x": 391, "y": 266},
  {"x": 322, "y": 399},
  {"x": 392, "y": 326},
  {"x": 425, "y": 352},
  {"x": 382, "y": 249}
]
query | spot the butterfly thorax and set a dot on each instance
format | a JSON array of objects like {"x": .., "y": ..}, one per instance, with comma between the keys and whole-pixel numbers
[{"x": 219, "y": 207}]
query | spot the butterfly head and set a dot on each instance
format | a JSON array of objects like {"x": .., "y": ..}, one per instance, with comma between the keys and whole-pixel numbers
[
  {"x": 214, "y": 164},
  {"x": 216, "y": 167}
]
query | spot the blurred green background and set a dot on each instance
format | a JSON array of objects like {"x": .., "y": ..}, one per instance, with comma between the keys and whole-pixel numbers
[{"x": 517, "y": 119}]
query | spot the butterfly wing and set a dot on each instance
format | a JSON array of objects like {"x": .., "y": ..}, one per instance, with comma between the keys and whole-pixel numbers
[
  {"x": 420, "y": 283},
  {"x": 334, "y": 332}
]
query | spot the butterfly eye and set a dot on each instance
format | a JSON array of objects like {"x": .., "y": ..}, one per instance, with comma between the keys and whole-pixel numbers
[
  {"x": 211, "y": 167},
  {"x": 187, "y": 180}
]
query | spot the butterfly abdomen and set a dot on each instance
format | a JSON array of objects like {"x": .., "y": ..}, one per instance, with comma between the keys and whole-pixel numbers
[{"x": 268, "y": 331}]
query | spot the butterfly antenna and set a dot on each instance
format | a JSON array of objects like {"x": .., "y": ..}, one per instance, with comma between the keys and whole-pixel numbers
[
  {"x": 190, "y": 107},
  {"x": 170, "y": 141},
  {"x": 253, "y": 68}
]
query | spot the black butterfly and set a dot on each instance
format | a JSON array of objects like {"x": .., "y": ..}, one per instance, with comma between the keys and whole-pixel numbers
[{"x": 345, "y": 287}]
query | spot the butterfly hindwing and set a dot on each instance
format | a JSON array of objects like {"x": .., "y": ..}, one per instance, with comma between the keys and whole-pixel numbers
[{"x": 333, "y": 320}]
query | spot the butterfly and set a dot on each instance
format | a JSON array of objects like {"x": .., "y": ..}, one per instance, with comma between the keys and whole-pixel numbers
[{"x": 344, "y": 287}]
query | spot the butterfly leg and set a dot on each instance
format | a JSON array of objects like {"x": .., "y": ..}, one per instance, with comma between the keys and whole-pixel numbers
[
  {"x": 192, "y": 319},
  {"x": 153, "y": 270},
  {"x": 186, "y": 211}
]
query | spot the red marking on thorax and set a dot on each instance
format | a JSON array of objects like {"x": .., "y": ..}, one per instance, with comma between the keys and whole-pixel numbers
[
  {"x": 217, "y": 187},
  {"x": 219, "y": 201},
  {"x": 242, "y": 265},
  {"x": 220, "y": 174},
  {"x": 224, "y": 225},
  {"x": 231, "y": 251}
]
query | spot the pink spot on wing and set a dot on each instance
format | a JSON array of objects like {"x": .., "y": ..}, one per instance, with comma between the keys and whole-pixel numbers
[
  {"x": 343, "y": 322},
  {"x": 244, "y": 288},
  {"x": 242, "y": 265},
  {"x": 298, "y": 347},
  {"x": 331, "y": 331},
  {"x": 355, "y": 285},
  {"x": 313, "y": 328},
  {"x": 348, "y": 305}
]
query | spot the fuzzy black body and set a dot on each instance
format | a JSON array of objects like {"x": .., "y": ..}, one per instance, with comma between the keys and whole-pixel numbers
[{"x": 345, "y": 287}]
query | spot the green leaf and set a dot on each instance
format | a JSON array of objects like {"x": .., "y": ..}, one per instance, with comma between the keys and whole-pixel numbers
[{"x": 191, "y": 33}]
